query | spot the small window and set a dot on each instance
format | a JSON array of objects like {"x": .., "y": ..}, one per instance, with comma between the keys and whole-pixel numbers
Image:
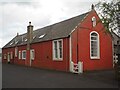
[
  {"x": 58, "y": 49},
  {"x": 26, "y": 40},
  {"x": 11, "y": 43},
  {"x": 24, "y": 54},
  {"x": 11, "y": 55},
  {"x": 93, "y": 21},
  {"x": 118, "y": 42},
  {"x": 94, "y": 45},
  {"x": 5, "y": 56},
  {"x": 41, "y": 36},
  {"x": 34, "y": 37},
  {"x": 19, "y": 54},
  {"x": 16, "y": 42},
  {"x": 32, "y": 54}
]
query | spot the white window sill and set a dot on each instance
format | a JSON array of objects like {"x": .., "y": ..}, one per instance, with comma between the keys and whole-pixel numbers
[
  {"x": 94, "y": 57},
  {"x": 23, "y": 58},
  {"x": 56, "y": 59}
]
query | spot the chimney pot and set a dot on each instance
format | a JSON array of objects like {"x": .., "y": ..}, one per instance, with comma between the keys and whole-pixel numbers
[
  {"x": 17, "y": 34},
  {"x": 29, "y": 23},
  {"x": 92, "y": 7}
]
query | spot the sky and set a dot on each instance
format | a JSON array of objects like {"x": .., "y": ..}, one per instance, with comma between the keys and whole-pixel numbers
[{"x": 16, "y": 14}]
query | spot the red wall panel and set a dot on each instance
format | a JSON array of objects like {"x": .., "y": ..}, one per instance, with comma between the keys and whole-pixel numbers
[{"x": 105, "y": 61}]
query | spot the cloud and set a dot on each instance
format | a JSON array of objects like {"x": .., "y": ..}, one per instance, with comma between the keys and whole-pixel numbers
[{"x": 15, "y": 14}]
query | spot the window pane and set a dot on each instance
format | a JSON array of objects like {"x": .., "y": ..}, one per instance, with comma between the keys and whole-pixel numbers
[
  {"x": 93, "y": 38},
  {"x": 94, "y": 45},
  {"x": 24, "y": 55},
  {"x": 93, "y": 34},
  {"x": 55, "y": 48},
  {"x": 60, "y": 49}
]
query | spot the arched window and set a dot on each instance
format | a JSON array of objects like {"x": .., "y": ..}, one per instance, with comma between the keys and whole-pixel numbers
[{"x": 94, "y": 45}]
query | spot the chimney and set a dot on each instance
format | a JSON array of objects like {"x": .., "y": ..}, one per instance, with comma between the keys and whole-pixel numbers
[
  {"x": 29, "y": 34},
  {"x": 17, "y": 34},
  {"x": 92, "y": 7}
]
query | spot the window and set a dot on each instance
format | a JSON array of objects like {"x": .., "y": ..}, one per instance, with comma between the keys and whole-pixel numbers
[
  {"x": 5, "y": 57},
  {"x": 93, "y": 21},
  {"x": 34, "y": 37},
  {"x": 57, "y": 49},
  {"x": 118, "y": 42},
  {"x": 41, "y": 36},
  {"x": 94, "y": 45},
  {"x": 24, "y": 54},
  {"x": 16, "y": 51},
  {"x": 11, "y": 55},
  {"x": 32, "y": 54},
  {"x": 26, "y": 40},
  {"x": 19, "y": 54},
  {"x": 11, "y": 43}
]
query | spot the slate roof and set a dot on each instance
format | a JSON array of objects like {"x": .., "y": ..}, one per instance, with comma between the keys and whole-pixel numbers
[{"x": 55, "y": 31}]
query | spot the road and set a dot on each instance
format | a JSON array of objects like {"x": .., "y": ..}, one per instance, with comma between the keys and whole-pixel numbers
[{"x": 15, "y": 76}]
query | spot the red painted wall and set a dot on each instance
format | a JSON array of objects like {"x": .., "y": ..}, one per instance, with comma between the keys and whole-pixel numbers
[
  {"x": 6, "y": 51},
  {"x": 105, "y": 61},
  {"x": 15, "y": 60},
  {"x": 43, "y": 56},
  {"x": 43, "y": 50}
]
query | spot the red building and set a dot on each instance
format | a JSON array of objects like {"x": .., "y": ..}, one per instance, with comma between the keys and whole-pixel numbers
[{"x": 76, "y": 45}]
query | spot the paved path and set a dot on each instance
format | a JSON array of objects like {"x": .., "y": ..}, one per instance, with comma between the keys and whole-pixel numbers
[{"x": 15, "y": 76}]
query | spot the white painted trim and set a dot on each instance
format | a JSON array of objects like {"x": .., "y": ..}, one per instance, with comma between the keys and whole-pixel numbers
[
  {"x": 22, "y": 54},
  {"x": 19, "y": 54},
  {"x": 98, "y": 46},
  {"x": 70, "y": 57},
  {"x": 54, "y": 58},
  {"x": 31, "y": 56},
  {"x": 79, "y": 24}
]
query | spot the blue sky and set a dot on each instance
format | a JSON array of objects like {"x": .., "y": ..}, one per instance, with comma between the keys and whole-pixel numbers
[{"x": 15, "y": 14}]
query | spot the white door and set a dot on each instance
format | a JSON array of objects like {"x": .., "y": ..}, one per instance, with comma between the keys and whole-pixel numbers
[
  {"x": 8, "y": 57},
  {"x": 31, "y": 56}
]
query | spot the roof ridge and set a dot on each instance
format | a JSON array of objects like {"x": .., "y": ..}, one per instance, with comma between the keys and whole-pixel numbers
[
  {"x": 57, "y": 22},
  {"x": 54, "y": 31}
]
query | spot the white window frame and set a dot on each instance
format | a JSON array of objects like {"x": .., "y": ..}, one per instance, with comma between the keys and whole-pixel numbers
[
  {"x": 58, "y": 51},
  {"x": 32, "y": 56},
  {"x": 98, "y": 47},
  {"x": 19, "y": 54},
  {"x": 93, "y": 21},
  {"x": 23, "y": 55}
]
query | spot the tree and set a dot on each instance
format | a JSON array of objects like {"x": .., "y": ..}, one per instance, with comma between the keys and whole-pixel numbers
[{"x": 110, "y": 15}]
